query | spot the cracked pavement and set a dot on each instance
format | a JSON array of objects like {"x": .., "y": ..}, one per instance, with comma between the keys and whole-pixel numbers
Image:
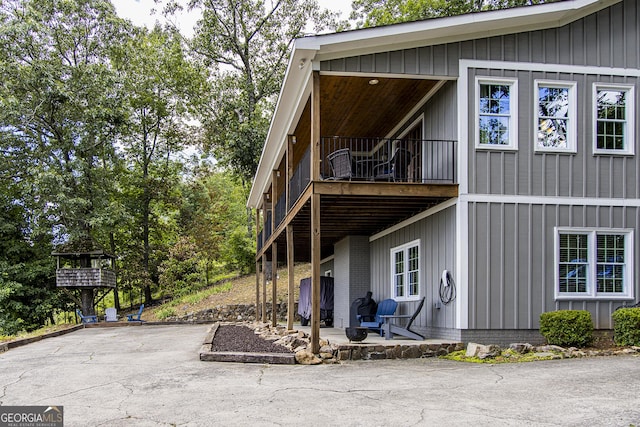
[{"x": 151, "y": 376}]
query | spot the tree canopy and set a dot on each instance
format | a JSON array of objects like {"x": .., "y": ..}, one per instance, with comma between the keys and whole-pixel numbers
[{"x": 374, "y": 13}]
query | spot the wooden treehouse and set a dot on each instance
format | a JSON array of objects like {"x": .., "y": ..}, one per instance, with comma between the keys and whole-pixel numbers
[{"x": 88, "y": 273}]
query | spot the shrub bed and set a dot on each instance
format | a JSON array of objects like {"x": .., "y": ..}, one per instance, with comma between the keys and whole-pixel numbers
[
  {"x": 626, "y": 326},
  {"x": 567, "y": 328}
]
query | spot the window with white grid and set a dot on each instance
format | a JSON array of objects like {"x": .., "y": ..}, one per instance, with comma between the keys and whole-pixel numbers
[
  {"x": 594, "y": 263},
  {"x": 405, "y": 271}
]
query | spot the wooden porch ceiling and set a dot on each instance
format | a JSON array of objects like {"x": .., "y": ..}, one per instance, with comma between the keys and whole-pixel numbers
[
  {"x": 343, "y": 215},
  {"x": 350, "y": 106}
]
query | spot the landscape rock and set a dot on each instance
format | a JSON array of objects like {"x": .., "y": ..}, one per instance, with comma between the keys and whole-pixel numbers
[
  {"x": 521, "y": 348},
  {"x": 482, "y": 351},
  {"x": 305, "y": 357}
]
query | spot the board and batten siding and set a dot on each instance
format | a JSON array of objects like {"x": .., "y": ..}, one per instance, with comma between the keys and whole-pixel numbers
[
  {"x": 512, "y": 270},
  {"x": 608, "y": 38},
  {"x": 437, "y": 252},
  {"x": 525, "y": 172}
]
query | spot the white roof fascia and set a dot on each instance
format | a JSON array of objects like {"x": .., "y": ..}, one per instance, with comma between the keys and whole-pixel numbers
[
  {"x": 450, "y": 29},
  {"x": 313, "y": 49}
]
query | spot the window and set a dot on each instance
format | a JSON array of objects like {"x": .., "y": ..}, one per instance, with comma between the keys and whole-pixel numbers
[
  {"x": 594, "y": 263},
  {"x": 496, "y": 113},
  {"x": 614, "y": 115},
  {"x": 405, "y": 271},
  {"x": 556, "y": 116}
]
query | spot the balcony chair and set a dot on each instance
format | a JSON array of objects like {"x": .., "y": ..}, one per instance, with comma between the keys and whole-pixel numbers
[
  {"x": 87, "y": 319},
  {"x": 385, "y": 308},
  {"x": 395, "y": 169},
  {"x": 340, "y": 162},
  {"x": 390, "y": 329}
]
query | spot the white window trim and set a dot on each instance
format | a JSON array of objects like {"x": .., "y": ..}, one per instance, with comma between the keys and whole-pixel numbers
[
  {"x": 404, "y": 248},
  {"x": 572, "y": 125},
  {"x": 592, "y": 293},
  {"x": 629, "y": 142},
  {"x": 513, "y": 119}
]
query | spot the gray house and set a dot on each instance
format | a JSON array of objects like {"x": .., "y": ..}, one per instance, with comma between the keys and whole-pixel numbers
[{"x": 497, "y": 149}]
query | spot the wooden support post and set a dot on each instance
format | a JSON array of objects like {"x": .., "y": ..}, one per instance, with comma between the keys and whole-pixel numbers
[
  {"x": 274, "y": 284},
  {"x": 264, "y": 288},
  {"x": 315, "y": 214},
  {"x": 315, "y": 127},
  {"x": 290, "y": 273},
  {"x": 258, "y": 265},
  {"x": 258, "y": 308},
  {"x": 315, "y": 273}
]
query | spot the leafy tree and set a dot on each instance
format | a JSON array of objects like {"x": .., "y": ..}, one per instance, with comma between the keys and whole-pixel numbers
[
  {"x": 157, "y": 84},
  {"x": 246, "y": 44},
  {"x": 213, "y": 214},
  {"x": 374, "y": 13},
  {"x": 59, "y": 114},
  {"x": 27, "y": 286},
  {"x": 58, "y": 103}
]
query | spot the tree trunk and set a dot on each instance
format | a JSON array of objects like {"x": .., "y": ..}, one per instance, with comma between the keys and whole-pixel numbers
[{"x": 116, "y": 297}]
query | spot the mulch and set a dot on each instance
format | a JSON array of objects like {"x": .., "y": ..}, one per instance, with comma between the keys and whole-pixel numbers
[{"x": 234, "y": 338}]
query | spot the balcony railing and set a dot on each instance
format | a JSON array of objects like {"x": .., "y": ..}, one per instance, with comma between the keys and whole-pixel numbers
[
  {"x": 301, "y": 178},
  {"x": 368, "y": 159},
  {"x": 382, "y": 159}
]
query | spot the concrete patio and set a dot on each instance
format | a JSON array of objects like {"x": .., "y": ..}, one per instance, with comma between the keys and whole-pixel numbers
[{"x": 151, "y": 376}]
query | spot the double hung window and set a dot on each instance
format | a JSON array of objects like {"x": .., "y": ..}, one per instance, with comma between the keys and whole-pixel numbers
[
  {"x": 613, "y": 120},
  {"x": 405, "y": 271},
  {"x": 594, "y": 263},
  {"x": 555, "y": 119},
  {"x": 496, "y": 113}
]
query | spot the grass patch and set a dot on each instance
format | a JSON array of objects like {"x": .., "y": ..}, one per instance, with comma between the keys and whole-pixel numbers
[
  {"x": 38, "y": 332},
  {"x": 164, "y": 312},
  {"x": 507, "y": 356},
  {"x": 169, "y": 309}
]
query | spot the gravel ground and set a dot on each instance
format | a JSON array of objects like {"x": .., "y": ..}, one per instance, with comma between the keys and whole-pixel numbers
[{"x": 242, "y": 339}]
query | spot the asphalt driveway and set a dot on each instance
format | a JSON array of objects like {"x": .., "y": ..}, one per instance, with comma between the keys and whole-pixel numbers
[{"x": 151, "y": 376}]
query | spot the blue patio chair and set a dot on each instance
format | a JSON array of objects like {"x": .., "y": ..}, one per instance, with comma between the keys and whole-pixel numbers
[
  {"x": 136, "y": 317},
  {"x": 385, "y": 308},
  {"x": 391, "y": 329},
  {"x": 87, "y": 319}
]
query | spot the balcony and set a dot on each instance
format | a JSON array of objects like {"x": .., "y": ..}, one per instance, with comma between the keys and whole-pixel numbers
[
  {"x": 365, "y": 185},
  {"x": 391, "y": 160}
]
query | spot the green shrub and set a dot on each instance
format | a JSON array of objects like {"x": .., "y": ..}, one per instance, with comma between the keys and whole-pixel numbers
[
  {"x": 567, "y": 328},
  {"x": 626, "y": 326},
  {"x": 165, "y": 312}
]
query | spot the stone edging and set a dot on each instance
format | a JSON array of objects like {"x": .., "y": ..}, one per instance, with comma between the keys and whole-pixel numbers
[
  {"x": 299, "y": 343},
  {"x": 24, "y": 341},
  {"x": 208, "y": 355}
]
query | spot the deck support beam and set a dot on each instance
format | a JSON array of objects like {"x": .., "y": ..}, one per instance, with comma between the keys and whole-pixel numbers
[
  {"x": 264, "y": 288},
  {"x": 290, "y": 274},
  {"x": 315, "y": 214},
  {"x": 274, "y": 284}
]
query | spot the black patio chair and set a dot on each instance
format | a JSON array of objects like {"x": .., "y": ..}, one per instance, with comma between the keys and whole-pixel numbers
[
  {"x": 395, "y": 169},
  {"x": 340, "y": 162}
]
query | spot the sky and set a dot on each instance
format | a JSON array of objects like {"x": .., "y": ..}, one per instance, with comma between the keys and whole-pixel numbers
[{"x": 139, "y": 12}]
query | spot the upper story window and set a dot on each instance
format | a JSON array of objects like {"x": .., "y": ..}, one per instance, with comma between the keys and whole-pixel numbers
[
  {"x": 556, "y": 116},
  {"x": 496, "y": 112},
  {"x": 405, "y": 271},
  {"x": 614, "y": 113},
  {"x": 594, "y": 263}
]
